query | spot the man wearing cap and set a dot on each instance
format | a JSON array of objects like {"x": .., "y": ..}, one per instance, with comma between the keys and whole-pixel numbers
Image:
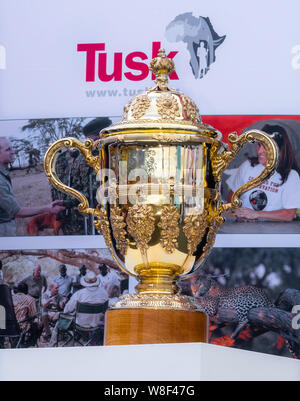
[
  {"x": 73, "y": 170},
  {"x": 91, "y": 294}
]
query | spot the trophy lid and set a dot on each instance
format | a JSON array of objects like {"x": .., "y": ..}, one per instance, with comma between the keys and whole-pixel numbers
[{"x": 162, "y": 108}]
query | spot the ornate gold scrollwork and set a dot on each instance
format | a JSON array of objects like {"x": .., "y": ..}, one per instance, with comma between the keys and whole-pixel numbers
[
  {"x": 220, "y": 161},
  {"x": 169, "y": 138},
  {"x": 215, "y": 223},
  {"x": 157, "y": 301},
  {"x": 161, "y": 66},
  {"x": 210, "y": 240},
  {"x": 125, "y": 112},
  {"x": 140, "y": 222},
  {"x": 162, "y": 63},
  {"x": 102, "y": 225},
  {"x": 194, "y": 229},
  {"x": 167, "y": 106},
  {"x": 118, "y": 224},
  {"x": 191, "y": 110},
  {"x": 170, "y": 228},
  {"x": 49, "y": 167},
  {"x": 140, "y": 106}
]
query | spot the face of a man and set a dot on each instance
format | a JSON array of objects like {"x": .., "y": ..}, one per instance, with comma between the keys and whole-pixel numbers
[
  {"x": 103, "y": 270},
  {"x": 63, "y": 271},
  {"x": 54, "y": 290},
  {"x": 37, "y": 272},
  {"x": 7, "y": 154}
]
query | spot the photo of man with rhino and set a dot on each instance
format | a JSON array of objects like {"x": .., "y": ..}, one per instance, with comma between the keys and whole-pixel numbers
[{"x": 24, "y": 184}]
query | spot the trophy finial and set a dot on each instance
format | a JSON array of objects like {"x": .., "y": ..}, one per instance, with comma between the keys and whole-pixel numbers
[{"x": 162, "y": 67}]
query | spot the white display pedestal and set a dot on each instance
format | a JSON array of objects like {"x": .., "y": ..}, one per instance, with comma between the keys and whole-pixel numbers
[{"x": 174, "y": 362}]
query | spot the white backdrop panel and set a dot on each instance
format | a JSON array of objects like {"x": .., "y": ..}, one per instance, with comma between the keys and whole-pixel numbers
[{"x": 256, "y": 70}]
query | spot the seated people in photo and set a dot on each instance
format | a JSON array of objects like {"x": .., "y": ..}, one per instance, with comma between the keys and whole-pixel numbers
[
  {"x": 64, "y": 282},
  {"x": 9, "y": 206},
  {"x": 91, "y": 294},
  {"x": 76, "y": 285},
  {"x": 278, "y": 198},
  {"x": 107, "y": 277},
  {"x": 36, "y": 282},
  {"x": 9, "y": 326},
  {"x": 52, "y": 304},
  {"x": 24, "y": 305}
]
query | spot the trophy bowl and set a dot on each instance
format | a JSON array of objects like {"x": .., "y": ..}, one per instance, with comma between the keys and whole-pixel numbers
[{"x": 159, "y": 204}]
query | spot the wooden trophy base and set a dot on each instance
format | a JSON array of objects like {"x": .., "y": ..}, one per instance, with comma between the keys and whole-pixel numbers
[{"x": 154, "y": 326}]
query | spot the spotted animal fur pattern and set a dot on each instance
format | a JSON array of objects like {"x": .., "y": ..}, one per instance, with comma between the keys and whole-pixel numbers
[{"x": 243, "y": 299}]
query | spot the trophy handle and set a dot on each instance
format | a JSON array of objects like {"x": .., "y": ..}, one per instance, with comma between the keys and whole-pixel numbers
[
  {"x": 220, "y": 162},
  {"x": 49, "y": 167}
]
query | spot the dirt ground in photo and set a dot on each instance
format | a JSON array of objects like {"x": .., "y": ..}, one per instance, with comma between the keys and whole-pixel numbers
[{"x": 31, "y": 190}]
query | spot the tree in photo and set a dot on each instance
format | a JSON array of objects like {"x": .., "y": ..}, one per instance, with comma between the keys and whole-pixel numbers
[
  {"x": 25, "y": 149},
  {"x": 43, "y": 132}
]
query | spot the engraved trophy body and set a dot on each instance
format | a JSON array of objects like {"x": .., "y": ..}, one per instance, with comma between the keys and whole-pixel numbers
[{"x": 159, "y": 205}]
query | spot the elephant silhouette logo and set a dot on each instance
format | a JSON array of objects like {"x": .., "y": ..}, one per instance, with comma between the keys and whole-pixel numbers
[{"x": 200, "y": 37}]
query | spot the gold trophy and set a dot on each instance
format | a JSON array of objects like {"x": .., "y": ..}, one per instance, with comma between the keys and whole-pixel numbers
[{"x": 159, "y": 205}]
